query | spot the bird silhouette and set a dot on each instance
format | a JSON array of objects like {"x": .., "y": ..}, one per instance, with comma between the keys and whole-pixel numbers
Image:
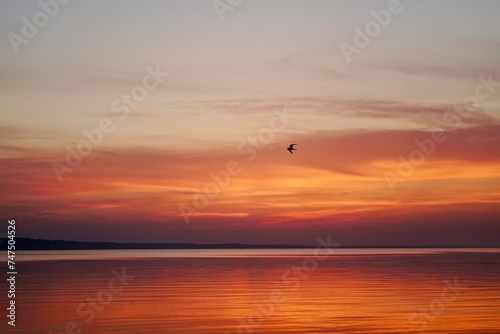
[{"x": 290, "y": 148}]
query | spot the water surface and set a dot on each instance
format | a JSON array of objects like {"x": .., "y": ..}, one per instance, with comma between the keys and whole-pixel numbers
[{"x": 259, "y": 291}]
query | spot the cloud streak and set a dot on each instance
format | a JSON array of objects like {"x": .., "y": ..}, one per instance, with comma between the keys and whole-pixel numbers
[{"x": 333, "y": 175}]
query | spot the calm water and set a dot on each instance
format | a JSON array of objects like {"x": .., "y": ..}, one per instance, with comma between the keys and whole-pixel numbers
[{"x": 257, "y": 291}]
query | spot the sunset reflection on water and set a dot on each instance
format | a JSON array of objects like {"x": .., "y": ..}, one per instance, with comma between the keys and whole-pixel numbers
[{"x": 269, "y": 292}]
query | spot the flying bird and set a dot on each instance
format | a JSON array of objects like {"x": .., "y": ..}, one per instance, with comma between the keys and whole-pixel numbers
[{"x": 290, "y": 148}]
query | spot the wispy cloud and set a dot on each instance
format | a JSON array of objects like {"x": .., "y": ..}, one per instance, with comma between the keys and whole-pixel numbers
[
  {"x": 418, "y": 113},
  {"x": 331, "y": 174}
]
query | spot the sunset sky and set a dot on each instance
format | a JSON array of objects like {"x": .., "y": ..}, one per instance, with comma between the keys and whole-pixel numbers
[{"x": 398, "y": 143}]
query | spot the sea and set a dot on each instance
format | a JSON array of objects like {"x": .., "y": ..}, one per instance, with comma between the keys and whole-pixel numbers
[{"x": 271, "y": 291}]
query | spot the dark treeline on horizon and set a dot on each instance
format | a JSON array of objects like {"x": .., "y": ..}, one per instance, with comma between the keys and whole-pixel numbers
[{"x": 42, "y": 244}]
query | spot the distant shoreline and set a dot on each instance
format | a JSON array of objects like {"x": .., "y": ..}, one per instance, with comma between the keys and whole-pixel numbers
[{"x": 43, "y": 244}]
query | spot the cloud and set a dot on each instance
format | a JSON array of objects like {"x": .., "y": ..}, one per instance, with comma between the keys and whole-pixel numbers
[
  {"x": 351, "y": 152},
  {"x": 466, "y": 225},
  {"x": 331, "y": 174},
  {"x": 448, "y": 71},
  {"x": 430, "y": 115},
  {"x": 451, "y": 68}
]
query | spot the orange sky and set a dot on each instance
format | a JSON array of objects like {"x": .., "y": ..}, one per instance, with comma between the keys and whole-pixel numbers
[{"x": 390, "y": 149}]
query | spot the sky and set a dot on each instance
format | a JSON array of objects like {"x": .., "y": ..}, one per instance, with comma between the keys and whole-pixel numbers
[{"x": 168, "y": 121}]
